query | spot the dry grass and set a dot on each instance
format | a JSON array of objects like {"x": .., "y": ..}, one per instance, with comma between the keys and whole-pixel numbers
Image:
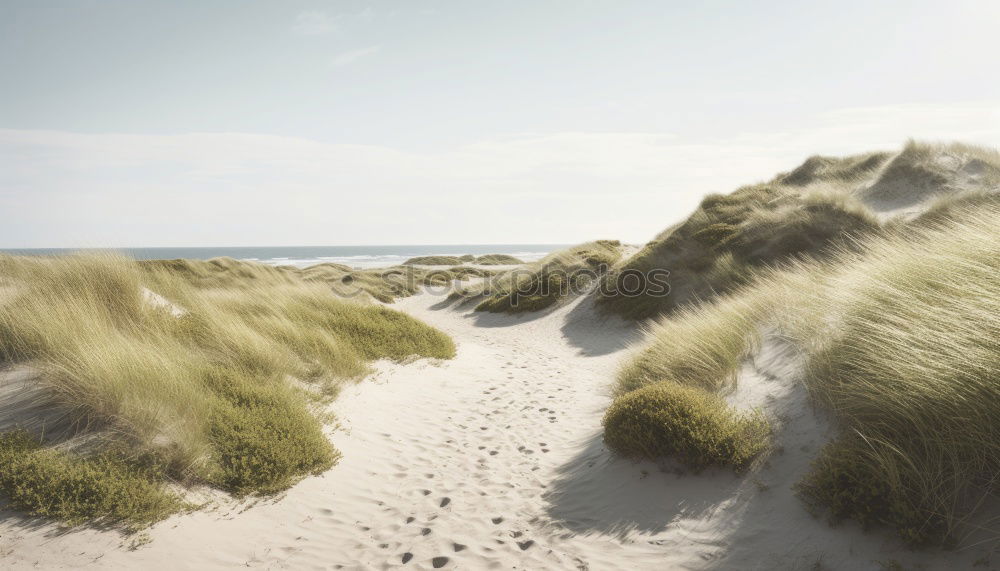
[
  {"x": 544, "y": 283},
  {"x": 902, "y": 345},
  {"x": 820, "y": 208},
  {"x": 201, "y": 386}
]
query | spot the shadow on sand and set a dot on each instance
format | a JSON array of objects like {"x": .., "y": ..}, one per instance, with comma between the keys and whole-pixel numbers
[
  {"x": 598, "y": 492},
  {"x": 585, "y": 328}
]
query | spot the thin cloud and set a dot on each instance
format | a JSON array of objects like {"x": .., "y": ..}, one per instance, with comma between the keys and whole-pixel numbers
[
  {"x": 315, "y": 24},
  {"x": 352, "y": 56},
  {"x": 122, "y": 189}
]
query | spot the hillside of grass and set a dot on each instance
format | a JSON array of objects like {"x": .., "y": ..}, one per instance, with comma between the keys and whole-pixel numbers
[
  {"x": 545, "y": 283},
  {"x": 822, "y": 207},
  {"x": 900, "y": 332},
  {"x": 179, "y": 371}
]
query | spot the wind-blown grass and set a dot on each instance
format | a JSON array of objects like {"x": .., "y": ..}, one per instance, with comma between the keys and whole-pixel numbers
[
  {"x": 198, "y": 385},
  {"x": 544, "y": 283},
  {"x": 484, "y": 260},
  {"x": 902, "y": 344},
  {"x": 822, "y": 207},
  {"x": 807, "y": 213}
]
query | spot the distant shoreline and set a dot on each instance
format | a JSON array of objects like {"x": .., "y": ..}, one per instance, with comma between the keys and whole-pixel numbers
[{"x": 303, "y": 256}]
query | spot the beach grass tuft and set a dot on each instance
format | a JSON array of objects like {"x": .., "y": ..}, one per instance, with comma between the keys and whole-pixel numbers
[{"x": 209, "y": 378}]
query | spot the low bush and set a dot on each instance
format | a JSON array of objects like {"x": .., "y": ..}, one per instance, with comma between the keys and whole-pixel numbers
[
  {"x": 106, "y": 489},
  {"x": 688, "y": 424}
]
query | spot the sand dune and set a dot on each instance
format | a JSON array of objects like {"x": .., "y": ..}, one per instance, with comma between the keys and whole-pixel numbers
[{"x": 495, "y": 461}]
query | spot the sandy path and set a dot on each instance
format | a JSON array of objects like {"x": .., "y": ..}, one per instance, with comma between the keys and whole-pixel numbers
[{"x": 494, "y": 460}]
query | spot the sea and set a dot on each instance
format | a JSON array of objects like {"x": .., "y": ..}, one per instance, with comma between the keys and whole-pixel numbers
[{"x": 304, "y": 256}]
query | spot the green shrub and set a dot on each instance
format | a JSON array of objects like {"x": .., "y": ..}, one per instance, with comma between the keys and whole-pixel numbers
[
  {"x": 689, "y": 424},
  {"x": 108, "y": 488},
  {"x": 850, "y": 480},
  {"x": 265, "y": 440}
]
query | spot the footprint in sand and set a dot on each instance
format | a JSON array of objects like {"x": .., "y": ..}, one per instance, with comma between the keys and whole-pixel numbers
[
  {"x": 439, "y": 562},
  {"x": 407, "y": 556},
  {"x": 497, "y": 520},
  {"x": 458, "y": 547},
  {"x": 445, "y": 501}
]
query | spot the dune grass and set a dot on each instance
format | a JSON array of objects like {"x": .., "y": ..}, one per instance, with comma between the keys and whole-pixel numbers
[
  {"x": 546, "y": 282},
  {"x": 199, "y": 385},
  {"x": 696, "y": 348},
  {"x": 901, "y": 341},
  {"x": 807, "y": 213},
  {"x": 484, "y": 260},
  {"x": 434, "y": 261},
  {"x": 498, "y": 260},
  {"x": 688, "y": 424},
  {"x": 382, "y": 284}
]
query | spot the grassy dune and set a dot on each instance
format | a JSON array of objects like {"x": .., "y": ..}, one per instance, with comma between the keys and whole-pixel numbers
[
  {"x": 217, "y": 385},
  {"x": 808, "y": 212},
  {"x": 900, "y": 333},
  {"x": 544, "y": 283},
  {"x": 382, "y": 284},
  {"x": 484, "y": 260},
  {"x": 822, "y": 207}
]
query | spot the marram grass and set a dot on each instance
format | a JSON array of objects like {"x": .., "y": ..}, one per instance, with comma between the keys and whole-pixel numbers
[
  {"x": 544, "y": 283},
  {"x": 218, "y": 388},
  {"x": 901, "y": 337}
]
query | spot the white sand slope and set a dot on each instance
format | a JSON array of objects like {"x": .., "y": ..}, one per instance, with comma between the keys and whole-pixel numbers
[{"x": 494, "y": 460}]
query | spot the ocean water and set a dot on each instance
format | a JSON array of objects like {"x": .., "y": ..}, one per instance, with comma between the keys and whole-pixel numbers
[{"x": 303, "y": 256}]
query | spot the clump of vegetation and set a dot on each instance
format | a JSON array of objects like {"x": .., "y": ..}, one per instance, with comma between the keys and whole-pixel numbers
[
  {"x": 195, "y": 382},
  {"x": 845, "y": 480},
  {"x": 899, "y": 333},
  {"x": 106, "y": 489},
  {"x": 697, "y": 348},
  {"x": 689, "y": 424},
  {"x": 434, "y": 261},
  {"x": 807, "y": 213},
  {"x": 382, "y": 284},
  {"x": 922, "y": 172},
  {"x": 544, "y": 283},
  {"x": 484, "y": 260},
  {"x": 498, "y": 260}
]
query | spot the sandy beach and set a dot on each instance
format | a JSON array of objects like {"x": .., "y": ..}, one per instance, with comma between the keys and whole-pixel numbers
[{"x": 495, "y": 460}]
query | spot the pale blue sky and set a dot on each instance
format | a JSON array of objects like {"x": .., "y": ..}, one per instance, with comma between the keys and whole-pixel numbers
[{"x": 131, "y": 122}]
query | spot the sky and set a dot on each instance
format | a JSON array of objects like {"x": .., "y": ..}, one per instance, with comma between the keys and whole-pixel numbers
[{"x": 246, "y": 122}]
